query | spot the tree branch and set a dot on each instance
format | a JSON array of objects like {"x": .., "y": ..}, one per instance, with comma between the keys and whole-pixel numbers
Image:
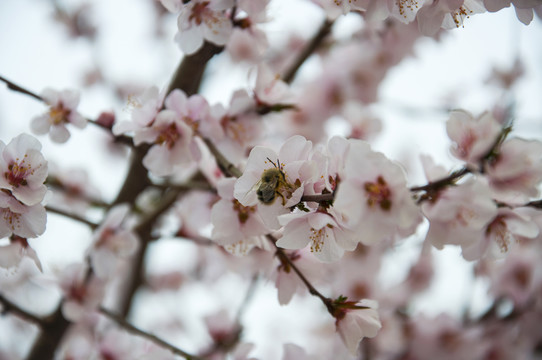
[
  {"x": 72, "y": 216},
  {"x": 132, "y": 329},
  {"x": 15, "y": 87},
  {"x": 284, "y": 258},
  {"x": 10, "y": 307},
  {"x": 315, "y": 42}
]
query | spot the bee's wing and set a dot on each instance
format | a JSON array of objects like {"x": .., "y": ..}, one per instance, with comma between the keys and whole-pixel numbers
[{"x": 240, "y": 192}]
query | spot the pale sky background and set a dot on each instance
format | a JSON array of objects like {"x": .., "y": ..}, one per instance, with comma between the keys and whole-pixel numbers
[{"x": 35, "y": 52}]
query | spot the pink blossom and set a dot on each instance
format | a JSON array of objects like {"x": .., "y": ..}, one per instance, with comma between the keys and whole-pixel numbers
[
  {"x": 247, "y": 45},
  {"x": 62, "y": 111},
  {"x": 82, "y": 293},
  {"x": 292, "y": 162},
  {"x": 364, "y": 125},
  {"x": 241, "y": 126},
  {"x": 288, "y": 282},
  {"x": 19, "y": 219},
  {"x": 405, "y": 10},
  {"x": 516, "y": 173},
  {"x": 171, "y": 139},
  {"x": 524, "y": 8},
  {"x": 354, "y": 324},
  {"x": 12, "y": 254},
  {"x": 236, "y": 227},
  {"x": 173, "y": 6},
  {"x": 445, "y": 338},
  {"x": 23, "y": 169},
  {"x": 502, "y": 233},
  {"x": 75, "y": 191},
  {"x": 144, "y": 110},
  {"x": 112, "y": 240},
  {"x": 460, "y": 214},
  {"x": 294, "y": 352},
  {"x": 372, "y": 196},
  {"x": 194, "y": 111},
  {"x": 222, "y": 327},
  {"x": 473, "y": 137},
  {"x": 269, "y": 88},
  {"x": 335, "y": 8},
  {"x": 457, "y": 16},
  {"x": 519, "y": 277},
  {"x": 201, "y": 20},
  {"x": 328, "y": 240}
]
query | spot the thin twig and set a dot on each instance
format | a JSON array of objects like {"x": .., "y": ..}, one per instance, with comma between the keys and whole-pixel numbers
[
  {"x": 434, "y": 185},
  {"x": 72, "y": 216},
  {"x": 312, "y": 290},
  {"x": 12, "y": 86},
  {"x": 132, "y": 329},
  {"x": 318, "y": 197},
  {"x": 10, "y": 307},
  {"x": 315, "y": 42},
  {"x": 225, "y": 165}
]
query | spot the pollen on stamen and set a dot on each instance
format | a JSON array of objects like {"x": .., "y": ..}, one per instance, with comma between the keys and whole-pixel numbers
[
  {"x": 459, "y": 14},
  {"x": 411, "y": 5},
  {"x": 317, "y": 239},
  {"x": 378, "y": 193}
]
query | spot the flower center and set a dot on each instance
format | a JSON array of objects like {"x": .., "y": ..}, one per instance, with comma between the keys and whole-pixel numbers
[
  {"x": 243, "y": 212},
  {"x": 406, "y": 4},
  {"x": 502, "y": 235},
  {"x": 11, "y": 219},
  {"x": 17, "y": 173},
  {"x": 378, "y": 193},
  {"x": 59, "y": 114},
  {"x": 168, "y": 135},
  {"x": 317, "y": 239},
  {"x": 198, "y": 12}
]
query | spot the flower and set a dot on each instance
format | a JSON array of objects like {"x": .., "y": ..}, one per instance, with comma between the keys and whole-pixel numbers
[
  {"x": 171, "y": 139},
  {"x": 23, "y": 169},
  {"x": 19, "y": 219},
  {"x": 447, "y": 14},
  {"x": 473, "y": 137},
  {"x": 356, "y": 321},
  {"x": 501, "y": 234},
  {"x": 372, "y": 196},
  {"x": 516, "y": 171},
  {"x": 236, "y": 227},
  {"x": 328, "y": 240},
  {"x": 268, "y": 177},
  {"x": 112, "y": 240},
  {"x": 12, "y": 254},
  {"x": 240, "y": 124},
  {"x": 82, "y": 294},
  {"x": 460, "y": 214},
  {"x": 201, "y": 20},
  {"x": 144, "y": 111},
  {"x": 62, "y": 111}
]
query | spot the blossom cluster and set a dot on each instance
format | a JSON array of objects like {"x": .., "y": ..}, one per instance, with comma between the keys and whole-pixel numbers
[
  {"x": 214, "y": 21},
  {"x": 171, "y": 126},
  {"x": 431, "y": 15},
  {"x": 260, "y": 178},
  {"x": 23, "y": 171},
  {"x": 488, "y": 212},
  {"x": 367, "y": 202}
]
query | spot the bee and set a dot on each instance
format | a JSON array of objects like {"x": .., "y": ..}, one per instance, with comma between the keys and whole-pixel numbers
[{"x": 272, "y": 184}]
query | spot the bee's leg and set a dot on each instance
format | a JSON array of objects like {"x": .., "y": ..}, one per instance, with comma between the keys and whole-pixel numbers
[{"x": 282, "y": 196}]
